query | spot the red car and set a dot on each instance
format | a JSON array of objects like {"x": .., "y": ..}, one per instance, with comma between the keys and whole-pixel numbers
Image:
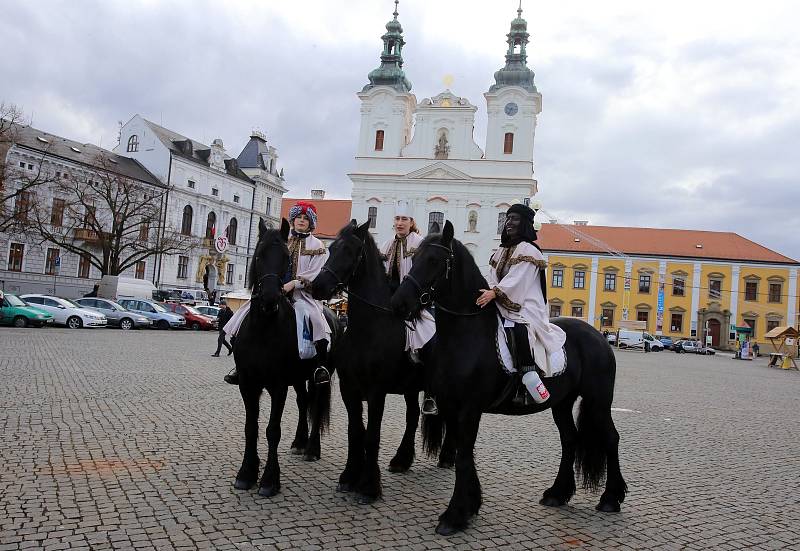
[{"x": 194, "y": 319}]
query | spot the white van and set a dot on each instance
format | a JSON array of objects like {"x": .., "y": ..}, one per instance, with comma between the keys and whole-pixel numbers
[
  {"x": 115, "y": 287},
  {"x": 629, "y": 338},
  {"x": 194, "y": 297}
]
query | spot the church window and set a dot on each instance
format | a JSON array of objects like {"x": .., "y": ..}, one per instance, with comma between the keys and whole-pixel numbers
[
  {"x": 372, "y": 216},
  {"x": 501, "y": 221},
  {"x": 435, "y": 222},
  {"x": 269, "y": 206},
  {"x": 233, "y": 226},
  {"x": 508, "y": 144},
  {"x": 379, "y": 140},
  {"x": 133, "y": 144}
]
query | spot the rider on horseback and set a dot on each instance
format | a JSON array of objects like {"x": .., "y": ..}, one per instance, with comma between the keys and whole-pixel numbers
[
  {"x": 308, "y": 255},
  {"x": 517, "y": 284},
  {"x": 397, "y": 255}
]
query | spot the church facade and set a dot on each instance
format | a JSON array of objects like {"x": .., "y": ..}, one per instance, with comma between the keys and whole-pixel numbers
[{"x": 424, "y": 152}]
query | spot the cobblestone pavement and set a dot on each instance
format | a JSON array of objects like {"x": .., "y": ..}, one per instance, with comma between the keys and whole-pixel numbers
[{"x": 119, "y": 440}]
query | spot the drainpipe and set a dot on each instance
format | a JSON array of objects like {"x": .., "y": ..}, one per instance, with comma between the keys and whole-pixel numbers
[
  {"x": 250, "y": 234},
  {"x": 163, "y": 224}
]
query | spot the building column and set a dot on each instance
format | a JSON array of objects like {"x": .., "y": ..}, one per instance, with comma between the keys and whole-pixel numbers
[
  {"x": 592, "y": 290},
  {"x": 660, "y": 297},
  {"x": 734, "y": 297},
  {"x": 627, "y": 285},
  {"x": 695, "y": 299},
  {"x": 791, "y": 310}
]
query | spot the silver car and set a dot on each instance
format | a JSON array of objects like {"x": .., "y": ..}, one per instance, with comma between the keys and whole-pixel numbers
[
  {"x": 117, "y": 315},
  {"x": 161, "y": 317}
]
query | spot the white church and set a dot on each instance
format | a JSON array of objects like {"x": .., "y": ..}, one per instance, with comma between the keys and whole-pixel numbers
[{"x": 424, "y": 152}]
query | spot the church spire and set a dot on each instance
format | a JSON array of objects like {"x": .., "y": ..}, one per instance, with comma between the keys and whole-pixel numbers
[
  {"x": 390, "y": 72},
  {"x": 516, "y": 71}
]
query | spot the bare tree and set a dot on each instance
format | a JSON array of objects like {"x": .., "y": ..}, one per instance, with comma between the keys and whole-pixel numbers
[
  {"x": 17, "y": 185},
  {"x": 108, "y": 219}
]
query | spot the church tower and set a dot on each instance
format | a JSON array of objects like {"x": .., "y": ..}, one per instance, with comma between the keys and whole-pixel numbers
[
  {"x": 387, "y": 104},
  {"x": 513, "y": 102}
]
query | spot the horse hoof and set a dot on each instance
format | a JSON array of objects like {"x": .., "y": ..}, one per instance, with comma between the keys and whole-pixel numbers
[
  {"x": 608, "y": 507},
  {"x": 393, "y": 468},
  {"x": 240, "y": 484},
  {"x": 297, "y": 451},
  {"x": 445, "y": 464},
  {"x": 344, "y": 487},
  {"x": 445, "y": 529},
  {"x": 366, "y": 500},
  {"x": 268, "y": 491},
  {"x": 310, "y": 457},
  {"x": 550, "y": 501}
]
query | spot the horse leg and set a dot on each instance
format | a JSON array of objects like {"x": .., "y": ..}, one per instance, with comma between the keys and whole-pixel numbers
[
  {"x": 355, "y": 439},
  {"x": 301, "y": 434},
  {"x": 563, "y": 488},
  {"x": 466, "y": 499},
  {"x": 404, "y": 457},
  {"x": 616, "y": 488},
  {"x": 447, "y": 455},
  {"x": 247, "y": 476},
  {"x": 369, "y": 486},
  {"x": 270, "y": 483}
]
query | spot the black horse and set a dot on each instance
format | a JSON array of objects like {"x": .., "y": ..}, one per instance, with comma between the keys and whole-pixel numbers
[
  {"x": 266, "y": 355},
  {"x": 468, "y": 380},
  {"x": 374, "y": 362}
]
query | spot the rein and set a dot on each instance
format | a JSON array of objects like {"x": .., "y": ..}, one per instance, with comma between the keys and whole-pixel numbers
[{"x": 342, "y": 283}]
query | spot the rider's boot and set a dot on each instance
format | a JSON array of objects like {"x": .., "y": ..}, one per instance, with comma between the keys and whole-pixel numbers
[
  {"x": 232, "y": 378},
  {"x": 532, "y": 389},
  {"x": 321, "y": 375}
]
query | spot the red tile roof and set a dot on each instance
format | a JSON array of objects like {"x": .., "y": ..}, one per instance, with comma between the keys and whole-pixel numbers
[{"x": 332, "y": 214}]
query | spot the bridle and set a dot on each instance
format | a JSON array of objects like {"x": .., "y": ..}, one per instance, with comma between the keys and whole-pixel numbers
[
  {"x": 257, "y": 287},
  {"x": 342, "y": 283}
]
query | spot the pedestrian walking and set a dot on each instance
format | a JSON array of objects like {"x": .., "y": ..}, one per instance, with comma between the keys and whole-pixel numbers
[{"x": 224, "y": 316}]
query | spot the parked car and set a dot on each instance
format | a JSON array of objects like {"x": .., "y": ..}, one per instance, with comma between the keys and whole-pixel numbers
[
  {"x": 193, "y": 297},
  {"x": 194, "y": 319},
  {"x": 117, "y": 315},
  {"x": 14, "y": 311},
  {"x": 161, "y": 317},
  {"x": 211, "y": 311},
  {"x": 666, "y": 341},
  {"x": 66, "y": 312},
  {"x": 695, "y": 347},
  {"x": 629, "y": 338}
]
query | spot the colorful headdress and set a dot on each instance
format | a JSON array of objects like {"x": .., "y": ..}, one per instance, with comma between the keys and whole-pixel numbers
[{"x": 304, "y": 207}]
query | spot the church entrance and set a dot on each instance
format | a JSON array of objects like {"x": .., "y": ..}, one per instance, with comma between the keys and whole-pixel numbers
[{"x": 714, "y": 330}]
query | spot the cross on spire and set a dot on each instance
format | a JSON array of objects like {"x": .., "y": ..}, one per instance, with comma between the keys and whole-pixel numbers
[
  {"x": 519, "y": 10},
  {"x": 398, "y": 1}
]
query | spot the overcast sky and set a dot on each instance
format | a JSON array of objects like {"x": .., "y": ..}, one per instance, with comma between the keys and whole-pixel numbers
[{"x": 680, "y": 114}]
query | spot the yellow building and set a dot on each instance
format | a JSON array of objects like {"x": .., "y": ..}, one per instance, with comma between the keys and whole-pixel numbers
[{"x": 681, "y": 283}]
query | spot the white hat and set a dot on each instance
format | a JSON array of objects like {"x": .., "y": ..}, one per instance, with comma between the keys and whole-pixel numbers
[{"x": 404, "y": 208}]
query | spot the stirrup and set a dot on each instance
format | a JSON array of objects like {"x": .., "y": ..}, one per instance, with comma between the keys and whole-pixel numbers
[
  {"x": 429, "y": 406},
  {"x": 232, "y": 378},
  {"x": 322, "y": 376}
]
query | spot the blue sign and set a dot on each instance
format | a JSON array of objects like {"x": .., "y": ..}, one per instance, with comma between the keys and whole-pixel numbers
[
  {"x": 58, "y": 261},
  {"x": 661, "y": 298}
]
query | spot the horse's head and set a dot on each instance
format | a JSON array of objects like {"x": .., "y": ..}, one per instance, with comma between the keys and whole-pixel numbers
[
  {"x": 346, "y": 253},
  {"x": 432, "y": 266},
  {"x": 269, "y": 266}
]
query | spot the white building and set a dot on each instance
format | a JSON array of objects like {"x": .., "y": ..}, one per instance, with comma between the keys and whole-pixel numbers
[
  {"x": 424, "y": 152},
  {"x": 212, "y": 194}
]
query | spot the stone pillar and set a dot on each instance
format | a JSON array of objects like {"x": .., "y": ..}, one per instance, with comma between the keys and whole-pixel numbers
[
  {"x": 695, "y": 300},
  {"x": 592, "y": 290}
]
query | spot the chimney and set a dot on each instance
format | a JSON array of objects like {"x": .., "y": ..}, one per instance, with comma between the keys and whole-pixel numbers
[
  {"x": 581, "y": 222},
  {"x": 554, "y": 221},
  {"x": 318, "y": 194}
]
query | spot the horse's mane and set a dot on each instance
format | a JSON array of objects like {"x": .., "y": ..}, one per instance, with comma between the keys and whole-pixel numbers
[
  {"x": 469, "y": 274},
  {"x": 372, "y": 253},
  {"x": 263, "y": 239}
]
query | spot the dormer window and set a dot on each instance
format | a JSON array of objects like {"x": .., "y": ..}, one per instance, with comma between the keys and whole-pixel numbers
[
  {"x": 379, "y": 140},
  {"x": 508, "y": 143},
  {"x": 190, "y": 183},
  {"x": 235, "y": 198},
  {"x": 215, "y": 192},
  {"x": 133, "y": 143}
]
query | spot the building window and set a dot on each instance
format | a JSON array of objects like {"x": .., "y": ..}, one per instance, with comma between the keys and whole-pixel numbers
[
  {"x": 51, "y": 260},
  {"x": 21, "y": 164},
  {"x": 501, "y": 222},
  {"x": 57, "y": 213},
  {"x": 144, "y": 231},
  {"x": 211, "y": 225},
  {"x": 676, "y": 323},
  {"x": 183, "y": 267},
  {"x": 558, "y": 277},
  {"x": 229, "y": 274},
  {"x": 269, "y": 206},
  {"x": 577, "y": 311},
  {"x": 610, "y": 282},
  {"x": 775, "y": 290},
  {"x": 752, "y": 324},
  {"x": 30, "y": 166},
  {"x": 644, "y": 283},
  {"x": 607, "y": 319},
  {"x": 579, "y": 280},
  {"x": 643, "y": 315},
  {"x": 555, "y": 310},
  {"x": 22, "y": 205},
  {"x": 186, "y": 221},
  {"x": 678, "y": 287},
  {"x": 235, "y": 198},
  {"x": 372, "y": 216},
  {"x": 15, "y": 254},
  {"x": 508, "y": 143},
  {"x": 772, "y": 324},
  {"x": 133, "y": 144},
  {"x": 435, "y": 222},
  {"x": 214, "y": 192},
  {"x": 715, "y": 288},
  {"x": 233, "y": 226},
  {"x": 140, "y": 266},
  {"x": 191, "y": 184},
  {"x": 379, "y": 140},
  {"x": 751, "y": 290},
  {"x": 89, "y": 219},
  {"x": 84, "y": 265}
]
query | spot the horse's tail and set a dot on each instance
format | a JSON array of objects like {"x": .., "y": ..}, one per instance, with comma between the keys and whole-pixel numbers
[
  {"x": 320, "y": 408},
  {"x": 432, "y": 434},
  {"x": 590, "y": 453}
]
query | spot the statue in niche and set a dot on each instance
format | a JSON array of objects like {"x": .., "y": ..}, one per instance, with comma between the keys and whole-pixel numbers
[
  {"x": 472, "y": 221},
  {"x": 442, "y": 150}
]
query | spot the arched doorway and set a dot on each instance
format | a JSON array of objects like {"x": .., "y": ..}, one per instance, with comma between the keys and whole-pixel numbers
[{"x": 714, "y": 327}]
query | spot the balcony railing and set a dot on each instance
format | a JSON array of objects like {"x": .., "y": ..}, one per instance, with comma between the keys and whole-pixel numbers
[{"x": 85, "y": 234}]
